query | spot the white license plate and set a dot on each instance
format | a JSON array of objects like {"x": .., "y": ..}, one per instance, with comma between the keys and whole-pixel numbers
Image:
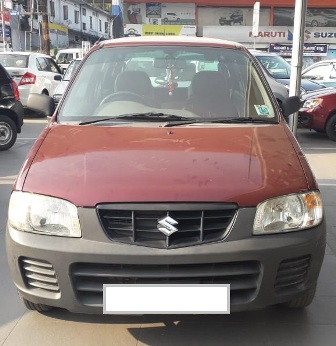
[{"x": 166, "y": 299}]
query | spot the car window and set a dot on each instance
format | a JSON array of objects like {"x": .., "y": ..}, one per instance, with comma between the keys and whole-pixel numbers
[
  {"x": 318, "y": 72},
  {"x": 52, "y": 66},
  {"x": 71, "y": 70},
  {"x": 170, "y": 81},
  {"x": 42, "y": 64},
  {"x": 276, "y": 66},
  {"x": 14, "y": 60}
]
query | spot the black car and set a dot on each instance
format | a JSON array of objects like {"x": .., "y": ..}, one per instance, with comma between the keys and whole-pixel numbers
[{"x": 11, "y": 110}]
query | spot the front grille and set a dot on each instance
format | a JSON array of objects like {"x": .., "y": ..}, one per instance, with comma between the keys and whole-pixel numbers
[
  {"x": 291, "y": 274},
  {"x": 88, "y": 279},
  {"x": 38, "y": 274},
  {"x": 139, "y": 224}
]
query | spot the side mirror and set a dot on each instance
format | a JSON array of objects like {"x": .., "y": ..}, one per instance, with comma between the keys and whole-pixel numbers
[
  {"x": 290, "y": 105},
  {"x": 58, "y": 77},
  {"x": 42, "y": 104}
]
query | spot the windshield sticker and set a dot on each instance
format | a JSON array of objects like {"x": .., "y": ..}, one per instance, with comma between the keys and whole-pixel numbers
[{"x": 262, "y": 110}]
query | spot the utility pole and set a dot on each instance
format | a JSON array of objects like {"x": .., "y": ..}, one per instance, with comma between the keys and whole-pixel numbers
[
  {"x": 3, "y": 25},
  {"x": 45, "y": 26}
]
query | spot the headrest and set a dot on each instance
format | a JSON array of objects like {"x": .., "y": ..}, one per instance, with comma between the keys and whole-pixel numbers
[
  {"x": 211, "y": 83},
  {"x": 134, "y": 81}
]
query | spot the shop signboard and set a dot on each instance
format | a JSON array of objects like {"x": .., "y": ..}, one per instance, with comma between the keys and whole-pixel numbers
[
  {"x": 270, "y": 34},
  {"x": 154, "y": 13},
  {"x": 132, "y": 30},
  {"x": 309, "y": 49}
]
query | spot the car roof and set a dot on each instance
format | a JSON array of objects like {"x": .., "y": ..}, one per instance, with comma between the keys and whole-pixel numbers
[
  {"x": 25, "y": 53},
  {"x": 172, "y": 40}
]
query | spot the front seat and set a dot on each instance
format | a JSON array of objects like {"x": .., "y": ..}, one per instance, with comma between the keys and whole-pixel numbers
[
  {"x": 209, "y": 95},
  {"x": 136, "y": 82}
]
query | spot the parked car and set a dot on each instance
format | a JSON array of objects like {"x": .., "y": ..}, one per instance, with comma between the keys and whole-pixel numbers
[
  {"x": 33, "y": 72},
  {"x": 232, "y": 18},
  {"x": 318, "y": 112},
  {"x": 172, "y": 183},
  {"x": 11, "y": 110},
  {"x": 58, "y": 93},
  {"x": 279, "y": 69},
  {"x": 322, "y": 72}
]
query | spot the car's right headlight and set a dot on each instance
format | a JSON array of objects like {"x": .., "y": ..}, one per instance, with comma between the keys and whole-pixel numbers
[
  {"x": 288, "y": 213},
  {"x": 311, "y": 104},
  {"x": 41, "y": 214}
]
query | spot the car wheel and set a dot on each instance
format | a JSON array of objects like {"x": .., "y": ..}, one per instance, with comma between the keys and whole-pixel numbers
[
  {"x": 166, "y": 19},
  {"x": 331, "y": 128},
  {"x": 314, "y": 23},
  {"x": 35, "y": 307},
  {"x": 8, "y": 132},
  {"x": 302, "y": 301}
]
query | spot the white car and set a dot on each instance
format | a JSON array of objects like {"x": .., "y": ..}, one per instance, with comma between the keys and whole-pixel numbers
[
  {"x": 171, "y": 17},
  {"x": 65, "y": 80},
  {"x": 33, "y": 72}
]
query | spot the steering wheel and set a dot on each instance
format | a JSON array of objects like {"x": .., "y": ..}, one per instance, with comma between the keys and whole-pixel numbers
[{"x": 124, "y": 96}]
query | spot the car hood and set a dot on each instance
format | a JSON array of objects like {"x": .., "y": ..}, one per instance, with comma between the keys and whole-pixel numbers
[
  {"x": 318, "y": 93},
  {"x": 88, "y": 165},
  {"x": 306, "y": 84}
]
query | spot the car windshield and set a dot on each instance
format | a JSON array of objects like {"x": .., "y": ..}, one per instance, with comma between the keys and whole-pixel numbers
[
  {"x": 276, "y": 66},
  {"x": 166, "y": 83},
  {"x": 14, "y": 60},
  {"x": 71, "y": 70}
]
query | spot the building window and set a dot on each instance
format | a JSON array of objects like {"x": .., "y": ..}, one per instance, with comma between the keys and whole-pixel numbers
[
  {"x": 106, "y": 27},
  {"x": 84, "y": 11},
  {"x": 100, "y": 25},
  {"x": 76, "y": 17},
  {"x": 84, "y": 26},
  {"x": 65, "y": 12},
  {"x": 52, "y": 8},
  {"x": 90, "y": 22}
]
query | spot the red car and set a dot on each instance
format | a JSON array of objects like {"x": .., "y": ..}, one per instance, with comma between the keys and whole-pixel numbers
[
  {"x": 318, "y": 112},
  {"x": 145, "y": 179}
]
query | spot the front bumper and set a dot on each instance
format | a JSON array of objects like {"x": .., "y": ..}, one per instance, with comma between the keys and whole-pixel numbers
[{"x": 70, "y": 273}]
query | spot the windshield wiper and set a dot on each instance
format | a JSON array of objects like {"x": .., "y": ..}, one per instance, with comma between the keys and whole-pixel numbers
[
  {"x": 150, "y": 116},
  {"x": 222, "y": 121}
]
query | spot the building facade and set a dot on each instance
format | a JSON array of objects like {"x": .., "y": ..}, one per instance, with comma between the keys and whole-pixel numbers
[
  {"x": 69, "y": 22},
  {"x": 233, "y": 20}
]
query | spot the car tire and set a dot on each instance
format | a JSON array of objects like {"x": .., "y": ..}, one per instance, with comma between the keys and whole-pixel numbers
[
  {"x": 331, "y": 128},
  {"x": 302, "y": 301},
  {"x": 35, "y": 307},
  {"x": 8, "y": 132},
  {"x": 314, "y": 23}
]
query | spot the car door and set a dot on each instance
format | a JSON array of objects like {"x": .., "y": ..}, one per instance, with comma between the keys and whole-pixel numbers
[{"x": 47, "y": 69}]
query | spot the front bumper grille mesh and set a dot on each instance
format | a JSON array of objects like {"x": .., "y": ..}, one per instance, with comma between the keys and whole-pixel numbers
[
  {"x": 292, "y": 273},
  {"x": 38, "y": 274},
  {"x": 243, "y": 277},
  {"x": 139, "y": 224}
]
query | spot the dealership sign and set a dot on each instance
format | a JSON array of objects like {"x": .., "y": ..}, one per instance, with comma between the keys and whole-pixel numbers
[
  {"x": 269, "y": 34},
  {"x": 159, "y": 30},
  {"x": 309, "y": 49}
]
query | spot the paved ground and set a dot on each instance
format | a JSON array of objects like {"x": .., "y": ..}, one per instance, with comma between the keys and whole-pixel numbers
[{"x": 274, "y": 326}]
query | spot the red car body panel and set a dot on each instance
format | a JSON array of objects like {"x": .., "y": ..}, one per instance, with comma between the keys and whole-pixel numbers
[
  {"x": 219, "y": 164},
  {"x": 317, "y": 118}
]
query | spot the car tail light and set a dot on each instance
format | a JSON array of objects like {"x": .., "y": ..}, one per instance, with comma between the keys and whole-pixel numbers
[
  {"x": 28, "y": 78},
  {"x": 15, "y": 90}
]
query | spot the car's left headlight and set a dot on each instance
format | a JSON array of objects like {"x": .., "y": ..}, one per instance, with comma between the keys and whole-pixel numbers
[
  {"x": 311, "y": 104},
  {"x": 288, "y": 213},
  {"x": 41, "y": 214}
]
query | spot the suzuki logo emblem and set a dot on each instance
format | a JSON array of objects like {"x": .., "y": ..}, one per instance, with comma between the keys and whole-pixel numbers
[{"x": 168, "y": 225}]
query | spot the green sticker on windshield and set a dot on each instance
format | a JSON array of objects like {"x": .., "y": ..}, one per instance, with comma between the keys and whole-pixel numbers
[{"x": 262, "y": 110}]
